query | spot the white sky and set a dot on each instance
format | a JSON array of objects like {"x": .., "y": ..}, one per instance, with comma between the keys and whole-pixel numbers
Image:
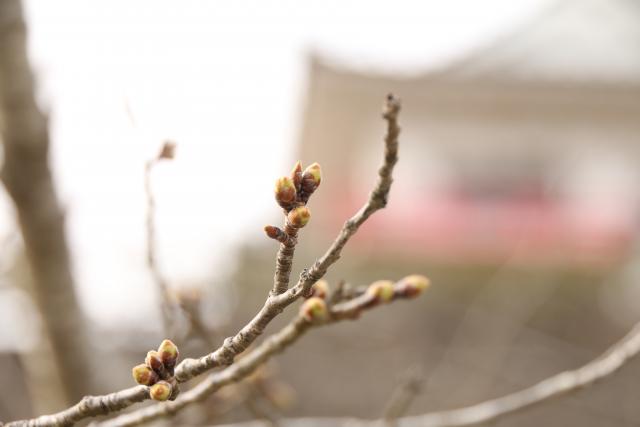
[{"x": 226, "y": 80}]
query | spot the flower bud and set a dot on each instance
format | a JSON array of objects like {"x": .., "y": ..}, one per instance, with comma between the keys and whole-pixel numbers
[
  {"x": 382, "y": 290},
  {"x": 276, "y": 233},
  {"x": 296, "y": 176},
  {"x": 314, "y": 310},
  {"x": 412, "y": 286},
  {"x": 168, "y": 353},
  {"x": 320, "y": 289},
  {"x": 160, "y": 391},
  {"x": 285, "y": 192},
  {"x": 299, "y": 217},
  {"x": 144, "y": 375},
  {"x": 168, "y": 150},
  {"x": 311, "y": 178},
  {"x": 154, "y": 361}
]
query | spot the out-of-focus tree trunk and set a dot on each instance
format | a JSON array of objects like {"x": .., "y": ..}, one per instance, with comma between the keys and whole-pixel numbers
[{"x": 27, "y": 177}]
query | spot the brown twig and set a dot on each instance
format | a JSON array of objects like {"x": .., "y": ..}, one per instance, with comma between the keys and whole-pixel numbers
[
  {"x": 167, "y": 305},
  {"x": 404, "y": 394},
  {"x": 274, "y": 305},
  {"x": 284, "y": 259}
]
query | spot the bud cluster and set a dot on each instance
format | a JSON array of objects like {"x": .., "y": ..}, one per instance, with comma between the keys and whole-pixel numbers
[
  {"x": 157, "y": 371},
  {"x": 292, "y": 194},
  {"x": 294, "y": 190}
]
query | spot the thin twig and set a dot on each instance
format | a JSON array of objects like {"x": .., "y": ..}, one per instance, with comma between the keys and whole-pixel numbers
[
  {"x": 274, "y": 304},
  {"x": 403, "y": 395},
  {"x": 167, "y": 307},
  {"x": 565, "y": 382},
  {"x": 284, "y": 259}
]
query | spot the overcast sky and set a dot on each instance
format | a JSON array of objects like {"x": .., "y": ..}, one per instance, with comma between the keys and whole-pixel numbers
[{"x": 226, "y": 80}]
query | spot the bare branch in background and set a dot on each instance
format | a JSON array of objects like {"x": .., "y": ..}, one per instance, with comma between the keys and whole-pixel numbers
[
  {"x": 410, "y": 386},
  {"x": 557, "y": 386},
  {"x": 27, "y": 177},
  {"x": 167, "y": 152},
  {"x": 297, "y": 217}
]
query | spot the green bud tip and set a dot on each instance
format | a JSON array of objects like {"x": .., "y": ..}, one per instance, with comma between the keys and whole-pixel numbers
[
  {"x": 299, "y": 217},
  {"x": 311, "y": 178},
  {"x": 285, "y": 191},
  {"x": 144, "y": 375},
  {"x": 413, "y": 285},
  {"x": 314, "y": 310},
  {"x": 313, "y": 172},
  {"x": 168, "y": 353},
  {"x": 382, "y": 290},
  {"x": 160, "y": 391}
]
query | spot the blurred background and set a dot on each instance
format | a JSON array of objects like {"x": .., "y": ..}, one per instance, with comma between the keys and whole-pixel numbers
[{"x": 516, "y": 193}]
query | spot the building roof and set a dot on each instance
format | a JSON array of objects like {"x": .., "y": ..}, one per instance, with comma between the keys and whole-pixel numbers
[{"x": 573, "y": 40}]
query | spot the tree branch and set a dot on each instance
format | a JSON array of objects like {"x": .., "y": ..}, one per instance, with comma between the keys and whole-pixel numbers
[
  {"x": 565, "y": 382},
  {"x": 167, "y": 306},
  {"x": 275, "y": 303},
  {"x": 275, "y": 344}
]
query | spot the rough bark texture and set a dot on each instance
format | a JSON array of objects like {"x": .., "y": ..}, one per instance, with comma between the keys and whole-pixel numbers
[{"x": 27, "y": 177}]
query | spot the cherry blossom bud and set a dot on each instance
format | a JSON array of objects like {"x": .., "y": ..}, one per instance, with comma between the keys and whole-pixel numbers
[
  {"x": 299, "y": 217},
  {"x": 314, "y": 310},
  {"x": 285, "y": 192},
  {"x": 161, "y": 391},
  {"x": 144, "y": 375},
  {"x": 412, "y": 286},
  {"x": 311, "y": 178},
  {"x": 296, "y": 176},
  {"x": 382, "y": 290},
  {"x": 154, "y": 361},
  {"x": 168, "y": 353}
]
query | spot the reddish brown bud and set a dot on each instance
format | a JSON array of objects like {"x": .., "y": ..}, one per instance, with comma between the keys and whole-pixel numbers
[
  {"x": 320, "y": 289},
  {"x": 382, "y": 290},
  {"x": 296, "y": 176},
  {"x": 275, "y": 233},
  {"x": 311, "y": 178},
  {"x": 412, "y": 286},
  {"x": 314, "y": 310},
  {"x": 168, "y": 150},
  {"x": 285, "y": 192},
  {"x": 168, "y": 353},
  {"x": 154, "y": 361},
  {"x": 144, "y": 375},
  {"x": 161, "y": 391},
  {"x": 299, "y": 217}
]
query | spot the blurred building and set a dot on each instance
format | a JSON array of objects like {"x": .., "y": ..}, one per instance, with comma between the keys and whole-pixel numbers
[
  {"x": 527, "y": 148},
  {"x": 516, "y": 192}
]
